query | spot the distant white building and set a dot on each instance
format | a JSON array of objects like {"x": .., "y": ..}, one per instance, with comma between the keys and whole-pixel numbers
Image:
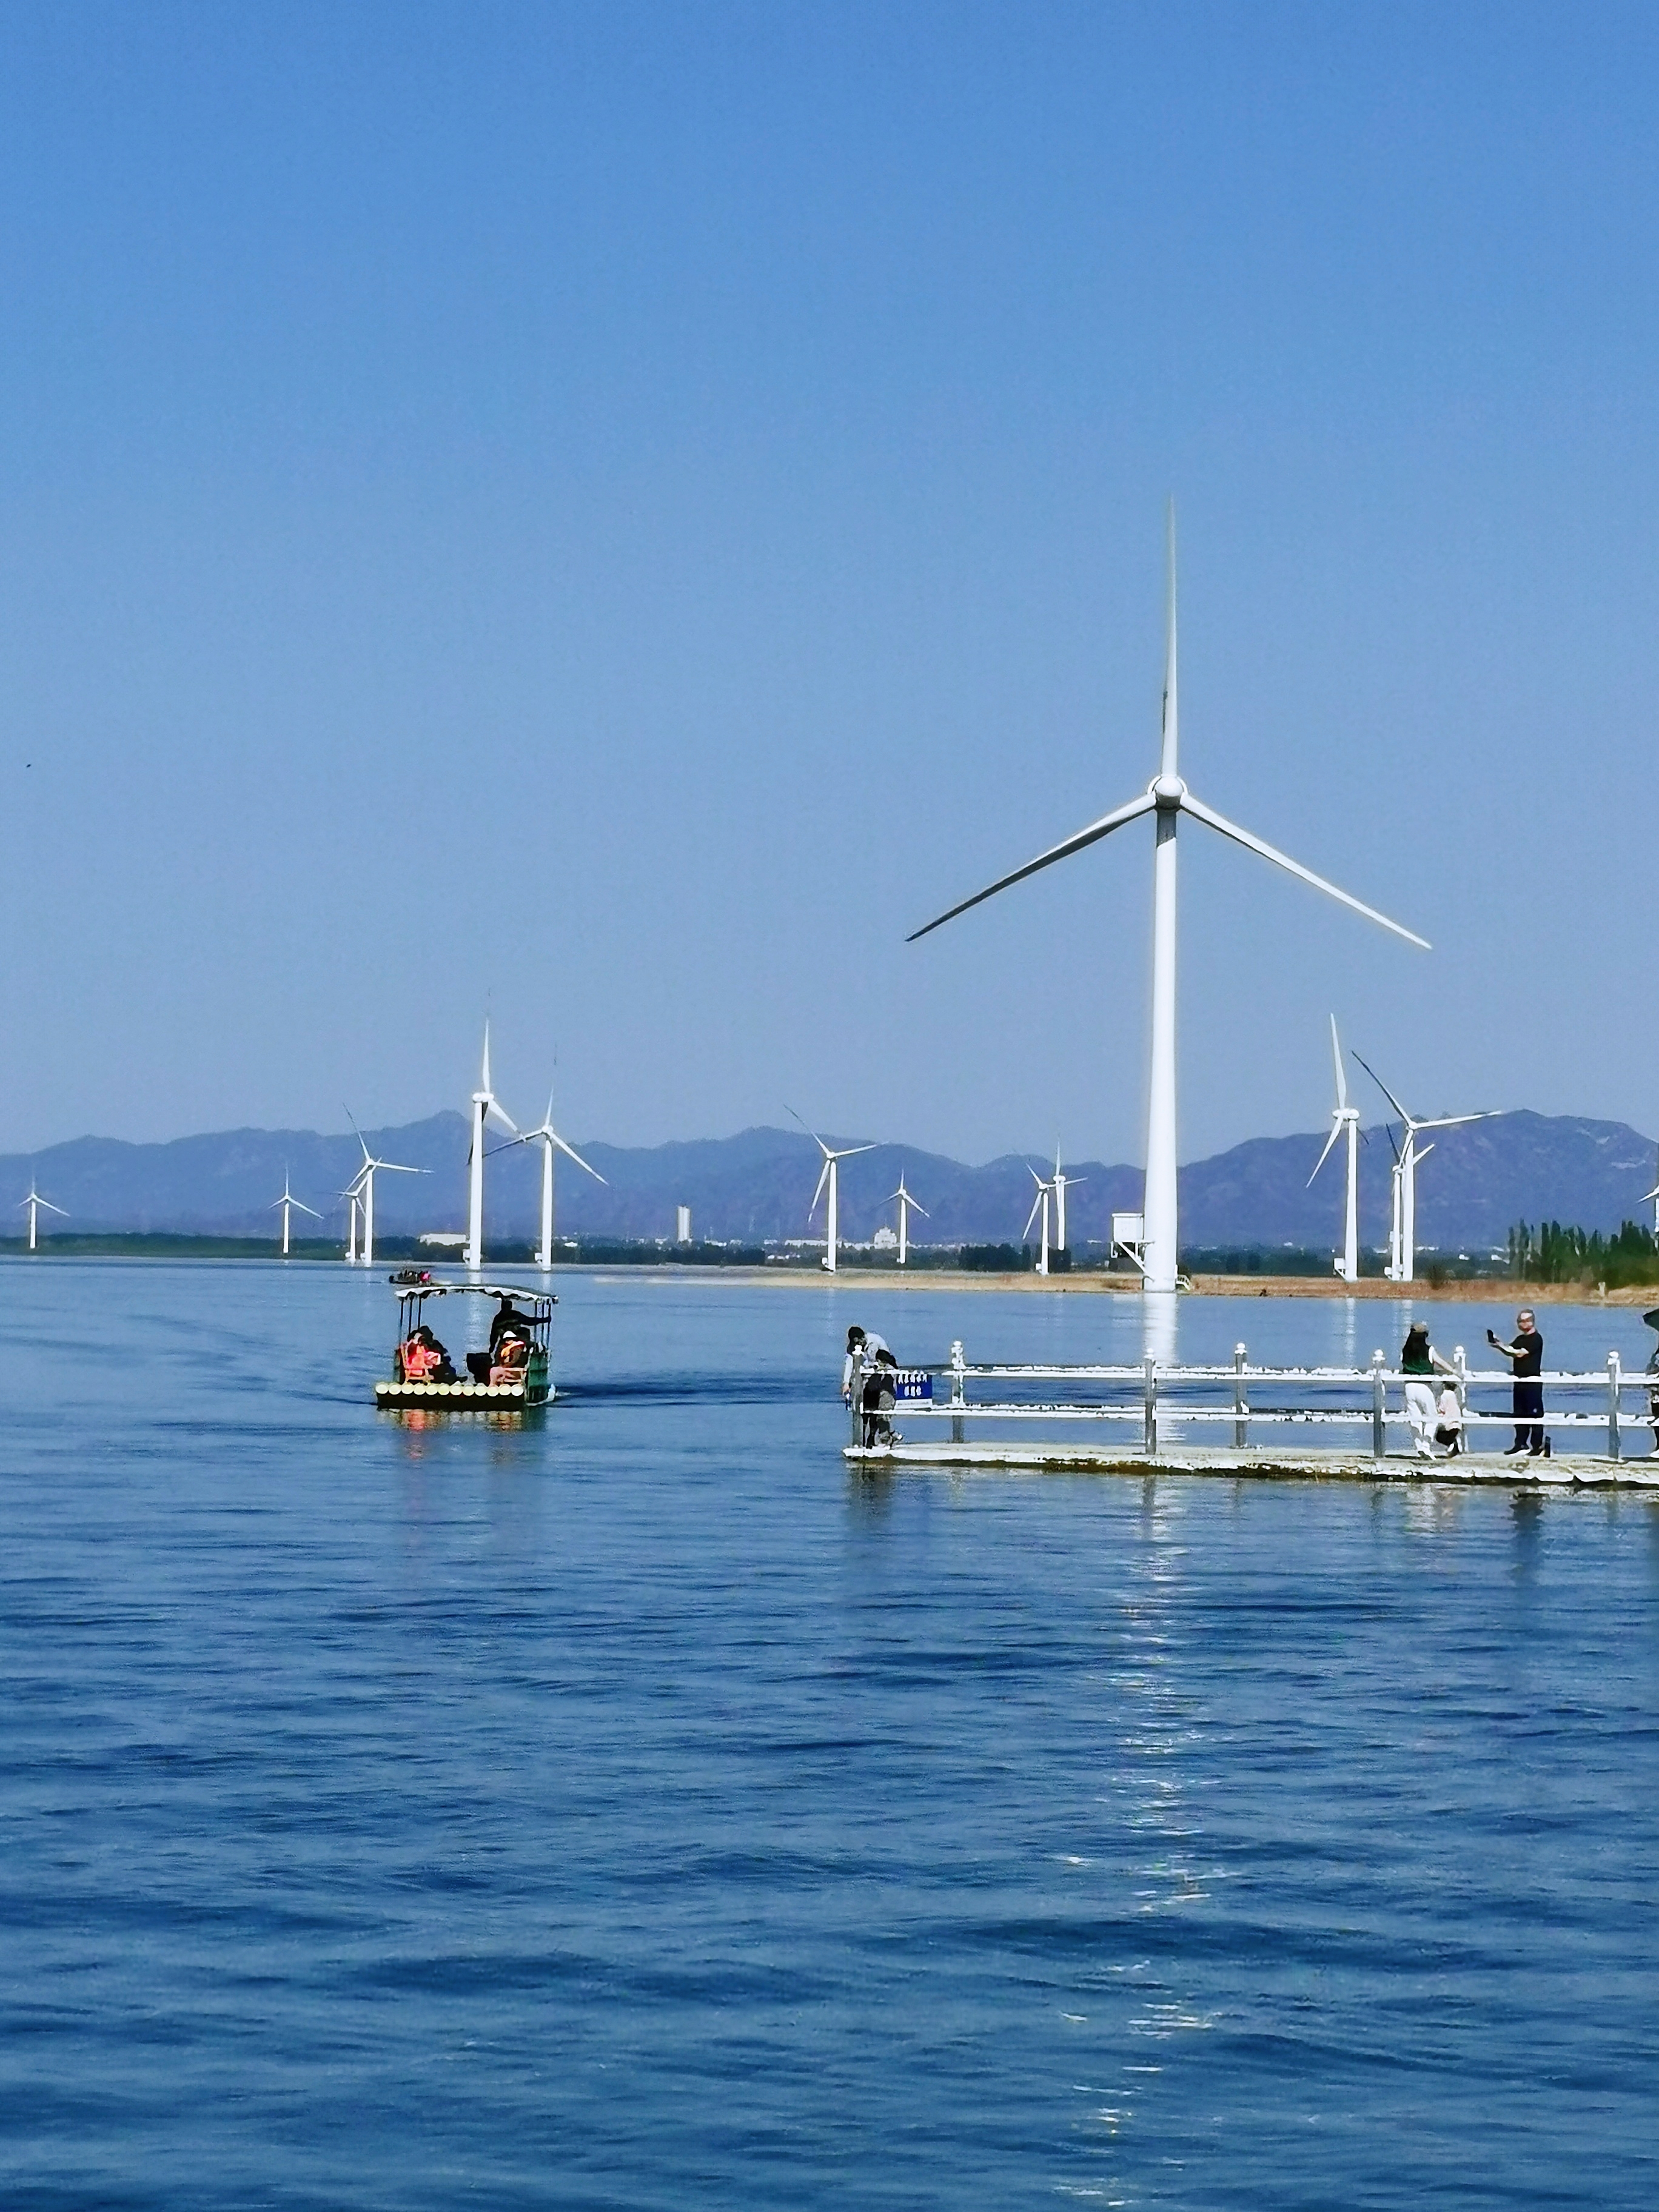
[
  {"x": 681, "y": 1225},
  {"x": 885, "y": 1239}
]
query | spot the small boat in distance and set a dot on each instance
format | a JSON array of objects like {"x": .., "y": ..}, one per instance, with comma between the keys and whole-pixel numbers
[{"x": 514, "y": 1377}]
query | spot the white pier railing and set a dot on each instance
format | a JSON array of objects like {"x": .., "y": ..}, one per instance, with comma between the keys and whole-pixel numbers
[{"x": 1603, "y": 1406}]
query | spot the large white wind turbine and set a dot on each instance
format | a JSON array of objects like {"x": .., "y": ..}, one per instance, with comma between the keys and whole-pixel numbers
[
  {"x": 550, "y": 1141},
  {"x": 363, "y": 1190},
  {"x": 288, "y": 1202},
  {"x": 1167, "y": 800},
  {"x": 1062, "y": 1183},
  {"x": 829, "y": 1177},
  {"x": 484, "y": 1104},
  {"x": 1409, "y": 1158},
  {"x": 905, "y": 1202},
  {"x": 34, "y": 1202},
  {"x": 1044, "y": 1192},
  {"x": 1344, "y": 1121}
]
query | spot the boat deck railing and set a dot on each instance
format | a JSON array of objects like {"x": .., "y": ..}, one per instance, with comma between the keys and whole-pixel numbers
[{"x": 1603, "y": 1406}]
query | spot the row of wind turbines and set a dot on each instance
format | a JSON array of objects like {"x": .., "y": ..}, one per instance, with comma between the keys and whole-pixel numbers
[
  {"x": 487, "y": 1111},
  {"x": 1049, "y": 1188}
]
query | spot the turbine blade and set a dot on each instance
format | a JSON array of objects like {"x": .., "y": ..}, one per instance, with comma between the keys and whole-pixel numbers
[
  {"x": 824, "y": 1177},
  {"x": 1095, "y": 831},
  {"x": 502, "y": 1115},
  {"x": 1032, "y": 1215},
  {"x": 1341, "y": 1077},
  {"x": 1456, "y": 1120},
  {"x": 921, "y": 1210},
  {"x": 50, "y": 1207},
  {"x": 483, "y": 1082},
  {"x": 300, "y": 1205},
  {"x": 810, "y": 1132},
  {"x": 1171, "y": 749},
  {"x": 1211, "y": 820},
  {"x": 848, "y": 1151},
  {"x": 570, "y": 1152},
  {"x": 1387, "y": 1093},
  {"x": 1336, "y": 1131}
]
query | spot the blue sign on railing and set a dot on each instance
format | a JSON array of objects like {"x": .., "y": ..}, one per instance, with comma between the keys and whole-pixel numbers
[{"x": 913, "y": 1382}]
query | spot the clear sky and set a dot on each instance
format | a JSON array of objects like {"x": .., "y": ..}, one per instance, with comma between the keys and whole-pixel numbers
[{"x": 622, "y": 512}]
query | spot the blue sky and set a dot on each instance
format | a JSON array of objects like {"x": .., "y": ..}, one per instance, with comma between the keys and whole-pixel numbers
[{"x": 621, "y": 513}]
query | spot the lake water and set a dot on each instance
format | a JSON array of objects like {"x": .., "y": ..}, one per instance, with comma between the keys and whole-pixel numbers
[{"x": 637, "y": 1810}]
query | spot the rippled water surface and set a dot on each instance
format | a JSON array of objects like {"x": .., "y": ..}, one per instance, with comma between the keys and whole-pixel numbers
[{"x": 636, "y": 1811}]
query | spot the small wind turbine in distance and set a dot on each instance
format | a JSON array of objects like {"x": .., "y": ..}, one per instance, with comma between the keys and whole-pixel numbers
[
  {"x": 1168, "y": 800},
  {"x": 1345, "y": 1121},
  {"x": 550, "y": 1141},
  {"x": 287, "y": 1202},
  {"x": 1044, "y": 1192},
  {"x": 905, "y": 1202},
  {"x": 363, "y": 1188},
  {"x": 828, "y": 1177},
  {"x": 1409, "y": 1156},
  {"x": 1653, "y": 1195},
  {"x": 1062, "y": 1183},
  {"x": 33, "y": 1202},
  {"x": 484, "y": 1104}
]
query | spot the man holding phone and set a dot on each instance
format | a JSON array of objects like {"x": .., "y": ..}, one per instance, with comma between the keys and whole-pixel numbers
[{"x": 1525, "y": 1358}]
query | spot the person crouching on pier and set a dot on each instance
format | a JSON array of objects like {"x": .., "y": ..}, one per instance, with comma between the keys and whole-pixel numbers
[{"x": 1418, "y": 1363}]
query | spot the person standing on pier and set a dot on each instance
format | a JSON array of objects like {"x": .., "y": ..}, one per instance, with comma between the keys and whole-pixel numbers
[{"x": 1525, "y": 1358}]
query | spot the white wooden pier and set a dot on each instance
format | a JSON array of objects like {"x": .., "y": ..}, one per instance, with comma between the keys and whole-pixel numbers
[{"x": 1330, "y": 1423}]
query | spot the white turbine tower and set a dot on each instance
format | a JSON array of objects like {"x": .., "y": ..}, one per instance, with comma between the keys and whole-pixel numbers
[
  {"x": 905, "y": 1202},
  {"x": 484, "y": 1104},
  {"x": 288, "y": 1202},
  {"x": 1044, "y": 1192},
  {"x": 363, "y": 1190},
  {"x": 1062, "y": 1183},
  {"x": 829, "y": 1177},
  {"x": 350, "y": 1196},
  {"x": 1653, "y": 1195},
  {"x": 550, "y": 1141},
  {"x": 1167, "y": 800},
  {"x": 1344, "y": 1121},
  {"x": 1409, "y": 1158},
  {"x": 33, "y": 1202}
]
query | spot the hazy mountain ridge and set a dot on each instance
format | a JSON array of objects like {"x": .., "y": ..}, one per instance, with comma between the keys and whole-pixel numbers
[{"x": 759, "y": 1183}]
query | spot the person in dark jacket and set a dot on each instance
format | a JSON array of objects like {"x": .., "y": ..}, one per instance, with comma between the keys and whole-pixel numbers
[{"x": 1525, "y": 1358}]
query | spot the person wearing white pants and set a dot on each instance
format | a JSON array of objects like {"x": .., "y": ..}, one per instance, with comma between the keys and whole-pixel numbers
[{"x": 1418, "y": 1363}]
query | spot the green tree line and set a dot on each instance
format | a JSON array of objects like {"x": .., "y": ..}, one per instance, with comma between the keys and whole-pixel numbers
[{"x": 1554, "y": 1252}]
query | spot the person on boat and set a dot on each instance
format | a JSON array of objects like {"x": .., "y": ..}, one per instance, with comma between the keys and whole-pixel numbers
[
  {"x": 509, "y": 1321},
  {"x": 426, "y": 1360},
  {"x": 1419, "y": 1361}
]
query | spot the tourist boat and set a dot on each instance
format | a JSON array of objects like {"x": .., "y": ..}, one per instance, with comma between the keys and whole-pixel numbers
[{"x": 518, "y": 1381}]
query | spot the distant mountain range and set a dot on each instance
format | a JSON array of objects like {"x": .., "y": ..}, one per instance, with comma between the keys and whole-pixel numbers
[{"x": 758, "y": 1186}]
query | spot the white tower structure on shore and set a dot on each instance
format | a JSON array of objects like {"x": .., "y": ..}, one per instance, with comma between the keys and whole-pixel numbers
[
  {"x": 830, "y": 1179},
  {"x": 1344, "y": 1121},
  {"x": 34, "y": 1203},
  {"x": 1044, "y": 1192},
  {"x": 350, "y": 1197},
  {"x": 1409, "y": 1158},
  {"x": 1062, "y": 1182},
  {"x": 1167, "y": 800},
  {"x": 485, "y": 1104},
  {"x": 289, "y": 1202},
  {"x": 550, "y": 1141},
  {"x": 905, "y": 1202}
]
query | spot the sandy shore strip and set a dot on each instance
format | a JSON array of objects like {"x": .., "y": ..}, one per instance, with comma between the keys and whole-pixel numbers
[{"x": 1484, "y": 1290}]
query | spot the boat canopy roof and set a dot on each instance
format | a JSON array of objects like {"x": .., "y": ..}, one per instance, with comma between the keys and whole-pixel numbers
[{"x": 472, "y": 1289}]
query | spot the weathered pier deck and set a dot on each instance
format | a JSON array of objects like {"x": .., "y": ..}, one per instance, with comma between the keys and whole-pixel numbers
[{"x": 1267, "y": 1463}]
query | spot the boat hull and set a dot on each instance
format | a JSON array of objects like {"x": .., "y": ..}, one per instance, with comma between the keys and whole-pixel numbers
[{"x": 464, "y": 1397}]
